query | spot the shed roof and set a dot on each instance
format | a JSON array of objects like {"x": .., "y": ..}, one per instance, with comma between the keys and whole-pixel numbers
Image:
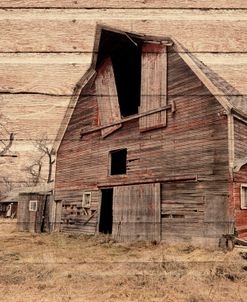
[{"x": 13, "y": 195}]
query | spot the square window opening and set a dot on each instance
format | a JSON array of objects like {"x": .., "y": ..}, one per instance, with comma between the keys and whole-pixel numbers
[
  {"x": 244, "y": 197},
  {"x": 33, "y": 205},
  {"x": 86, "y": 199},
  {"x": 118, "y": 161}
]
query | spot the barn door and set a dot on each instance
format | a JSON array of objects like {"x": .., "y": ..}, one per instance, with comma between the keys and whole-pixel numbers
[
  {"x": 136, "y": 212},
  {"x": 153, "y": 85},
  {"x": 40, "y": 213},
  {"x": 109, "y": 110}
]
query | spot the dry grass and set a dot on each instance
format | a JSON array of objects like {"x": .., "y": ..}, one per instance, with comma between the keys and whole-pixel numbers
[{"x": 64, "y": 268}]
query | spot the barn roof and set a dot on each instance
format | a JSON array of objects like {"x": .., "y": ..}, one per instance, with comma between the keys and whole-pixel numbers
[
  {"x": 229, "y": 97},
  {"x": 13, "y": 195},
  {"x": 234, "y": 97}
]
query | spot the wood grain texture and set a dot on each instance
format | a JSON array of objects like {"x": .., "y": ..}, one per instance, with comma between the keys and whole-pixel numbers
[
  {"x": 29, "y": 116},
  {"x": 107, "y": 98},
  {"x": 58, "y": 74},
  {"x": 235, "y": 201},
  {"x": 136, "y": 212},
  {"x": 32, "y": 220},
  {"x": 73, "y": 31},
  {"x": 124, "y": 4},
  {"x": 43, "y": 73},
  {"x": 153, "y": 85}
]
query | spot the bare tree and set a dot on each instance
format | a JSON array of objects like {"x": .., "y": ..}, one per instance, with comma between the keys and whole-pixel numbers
[
  {"x": 45, "y": 154},
  {"x": 34, "y": 171},
  {"x": 8, "y": 184},
  {"x": 6, "y": 137}
]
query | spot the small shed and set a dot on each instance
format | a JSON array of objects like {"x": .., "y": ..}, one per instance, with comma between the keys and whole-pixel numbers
[
  {"x": 9, "y": 204},
  {"x": 35, "y": 209}
]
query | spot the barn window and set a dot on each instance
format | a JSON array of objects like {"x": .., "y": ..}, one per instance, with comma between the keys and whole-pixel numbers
[
  {"x": 86, "y": 203},
  {"x": 86, "y": 199},
  {"x": 33, "y": 205},
  {"x": 244, "y": 196},
  {"x": 118, "y": 162}
]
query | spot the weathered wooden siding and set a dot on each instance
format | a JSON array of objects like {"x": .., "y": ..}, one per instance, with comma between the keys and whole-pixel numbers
[
  {"x": 192, "y": 146},
  {"x": 136, "y": 212},
  {"x": 240, "y": 177},
  {"x": 32, "y": 220},
  {"x": 72, "y": 215},
  {"x": 240, "y": 214},
  {"x": 240, "y": 139},
  {"x": 46, "y": 46}
]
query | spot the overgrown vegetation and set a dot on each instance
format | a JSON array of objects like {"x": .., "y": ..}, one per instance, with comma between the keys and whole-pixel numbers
[{"x": 73, "y": 267}]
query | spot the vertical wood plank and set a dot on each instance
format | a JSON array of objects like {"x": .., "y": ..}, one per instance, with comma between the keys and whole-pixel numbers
[
  {"x": 106, "y": 92},
  {"x": 153, "y": 85},
  {"x": 136, "y": 212}
]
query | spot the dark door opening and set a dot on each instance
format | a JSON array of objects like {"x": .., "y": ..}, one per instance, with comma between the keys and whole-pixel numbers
[
  {"x": 105, "y": 222},
  {"x": 43, "y": 226},
  {"x": 118, "y": 162},
  {"x": 125, "y": 52}
]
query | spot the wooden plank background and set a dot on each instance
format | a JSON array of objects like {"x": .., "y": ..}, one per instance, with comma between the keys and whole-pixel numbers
[
  {"x": 125, "y": 4},
  {"x": 46, "y": 46}
]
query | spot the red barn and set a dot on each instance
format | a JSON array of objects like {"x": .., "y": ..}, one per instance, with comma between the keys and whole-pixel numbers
[{"x": 153, "y": 146}]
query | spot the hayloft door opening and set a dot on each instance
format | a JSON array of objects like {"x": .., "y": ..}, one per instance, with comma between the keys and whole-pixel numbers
[{"x": 105, "y": 222}]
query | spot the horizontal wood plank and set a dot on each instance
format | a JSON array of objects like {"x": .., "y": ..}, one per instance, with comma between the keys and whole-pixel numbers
[
  {"x": 74, "y": 30},
  {"x": 125, "y": 4},
  {"x": 42, "y": 73},
  {"x": 57, "y": 74},
  {"x": 31, "y": 116}
]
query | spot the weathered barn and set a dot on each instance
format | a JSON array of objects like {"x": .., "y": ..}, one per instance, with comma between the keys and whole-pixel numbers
[
  {"x": 35, "y": 209},
  {"x": 154, "y": 147}
]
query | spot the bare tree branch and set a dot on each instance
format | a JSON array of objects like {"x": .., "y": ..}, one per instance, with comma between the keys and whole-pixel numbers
[
  {"x": 7, "y": 183},
  {"x": 6, "y": 138},
  {"x": 35, "y": 168},
  {"x": 8, "y": 145}
]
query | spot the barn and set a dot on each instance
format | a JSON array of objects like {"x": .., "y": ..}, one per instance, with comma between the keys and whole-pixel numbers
[{"x": 152, "y": 146}]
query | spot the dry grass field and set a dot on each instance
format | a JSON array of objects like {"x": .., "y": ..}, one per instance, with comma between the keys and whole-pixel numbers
[{"x": 64, "y": 268}]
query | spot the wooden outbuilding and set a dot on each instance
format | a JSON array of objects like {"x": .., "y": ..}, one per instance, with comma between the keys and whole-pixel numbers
[
  {"x": 35, "y": 209},
  {"x": 9, "y": 204},
  {"x": 153, "y": 146}
]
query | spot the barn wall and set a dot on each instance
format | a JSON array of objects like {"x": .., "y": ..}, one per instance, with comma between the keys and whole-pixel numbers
[
  {"x": 25, "y": 218},
  {"x": 46, "y": 46},
  {"x": 240, "y": 139},
  {"x": 192, "y": 146},
  {"x": 240, "y": 177},
  {"x": 240, "y": 214}
]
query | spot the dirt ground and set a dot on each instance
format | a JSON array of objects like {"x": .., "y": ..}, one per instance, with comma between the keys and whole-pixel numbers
[{"x": 76, "y": 268}]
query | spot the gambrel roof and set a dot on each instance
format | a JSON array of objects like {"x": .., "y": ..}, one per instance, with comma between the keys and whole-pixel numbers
[
  {"x": 229, "y": 97},
  {"x": 236, "y": 100}
]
